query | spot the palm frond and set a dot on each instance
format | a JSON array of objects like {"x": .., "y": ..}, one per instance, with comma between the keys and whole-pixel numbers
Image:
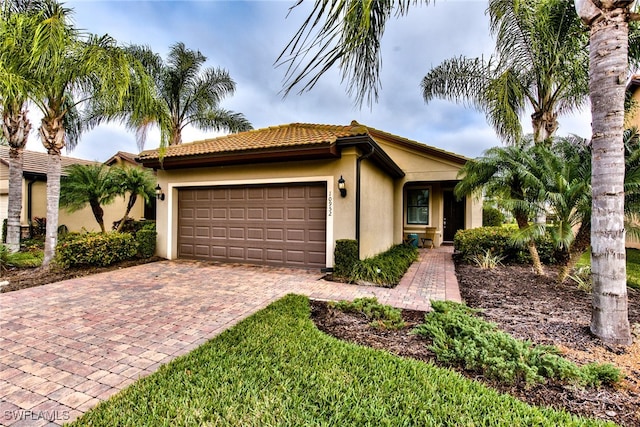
[{"x": 346, "y": 33}]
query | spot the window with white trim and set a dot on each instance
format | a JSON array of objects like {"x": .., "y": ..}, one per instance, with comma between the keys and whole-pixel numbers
[{"x": 418, "y": 206}]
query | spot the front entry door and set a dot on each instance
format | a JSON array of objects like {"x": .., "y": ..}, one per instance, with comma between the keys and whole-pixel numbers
[{"x": 453, "y": 218}]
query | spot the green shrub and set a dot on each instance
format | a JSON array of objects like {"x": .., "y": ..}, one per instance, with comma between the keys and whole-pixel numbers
[
  {"x": 385, "y": 269},
  {"x": 26, "y": 259},
  {"x": 462, "y": 339},
  {"x": 345, "y": 257},
  {"x": 492, "y": 217},
  {"x": 4, "y": 257},
  {"x": 146, "y": 240},
  {"x": 487, "y": 260},
  {"x": 380, "y": 315},
  {"x": 98, "y": 249},
  {"x": 500, "y": 241}
]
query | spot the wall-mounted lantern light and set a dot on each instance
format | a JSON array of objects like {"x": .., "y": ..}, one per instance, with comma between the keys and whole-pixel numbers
[
  {"x": 159, "y": 193},
  {"x": 341, "y": 187}
]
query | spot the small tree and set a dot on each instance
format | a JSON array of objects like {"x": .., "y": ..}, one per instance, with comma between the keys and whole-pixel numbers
[
  {"x": 91, "y": 185},
  {"x": 135, "y": 182},
  {"x": 506, "y": 174}
]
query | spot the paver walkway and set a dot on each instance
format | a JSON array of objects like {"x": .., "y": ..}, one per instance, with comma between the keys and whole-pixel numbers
[{"x": 66, "y": 346}]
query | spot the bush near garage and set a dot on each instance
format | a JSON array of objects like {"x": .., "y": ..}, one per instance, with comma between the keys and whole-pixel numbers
[
  {"x": 146, "y": 240},
  {"x": 385, "y": 269},
  {"x": 95, "y": 249},
  {"x": 500, "y": 241}
]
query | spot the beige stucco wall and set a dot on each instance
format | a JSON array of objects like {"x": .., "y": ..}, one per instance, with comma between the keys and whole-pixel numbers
[
  {"x": 79, "y": 220},
  {"x": 376, "y": 210},
  {"x": 421, "y": 167},
  {"x": 340, "y": 211}
]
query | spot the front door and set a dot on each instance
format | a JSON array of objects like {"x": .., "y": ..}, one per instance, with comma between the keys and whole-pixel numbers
[{"x": 453, "y": 217}]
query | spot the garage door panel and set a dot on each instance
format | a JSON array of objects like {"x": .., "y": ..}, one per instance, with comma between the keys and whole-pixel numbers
[
  {"x": 236, "y": 253},
  {"x": 317, "y": 236},
  {"x": 296, "y": 235},
  {"x": 317, "y": 214},
  {"x": 255, "y": 254},
  {"x": 275, "y": 193},
  {"x": 276, "y": 214},
  {"x": 203, "y": 232},
  {"x": 237, "y": 214},
  {"x": 256, "y": 214},
  {"x": 295, "y": 214},
  {"x": 273, "y": 225},
  {"x": 236, "y": 233},
  {"x": 275, "y": 234},
  {"x": 275, "y": 256}
]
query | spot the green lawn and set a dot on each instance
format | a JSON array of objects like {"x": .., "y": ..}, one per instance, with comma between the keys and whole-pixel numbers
[
  {"x": 276, "y": 368},
  {"x": 633, "y": 266}
]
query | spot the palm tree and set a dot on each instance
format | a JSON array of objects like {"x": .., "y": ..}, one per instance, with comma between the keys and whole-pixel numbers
[
  {"x": 135, "y": 182},
  {"x": 13, "y": 98},
  {"x": 348, "y": 33},
  {"x": 66, "y": 69},
  {"x": 92, "y": 185},
  {"x": 539, "y": 63},
  {"x": 505, "y": 173},
  {"x": 186, "y": 95},
  {"x": 608, "y": 21},
  {"x": 565, "y": 172}
]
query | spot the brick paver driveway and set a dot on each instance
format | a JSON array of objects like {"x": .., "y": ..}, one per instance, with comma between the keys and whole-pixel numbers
[{"x": 68, "y": 345}]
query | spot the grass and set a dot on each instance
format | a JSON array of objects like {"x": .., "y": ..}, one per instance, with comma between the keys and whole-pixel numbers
[
  {"x": 633, "y": 266},
  {"x": 277, "y": 368}
]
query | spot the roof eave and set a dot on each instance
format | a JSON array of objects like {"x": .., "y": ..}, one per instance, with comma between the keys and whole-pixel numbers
[
  {"x": 378, "y": 156},
  {"x": 325, "y": 151}
]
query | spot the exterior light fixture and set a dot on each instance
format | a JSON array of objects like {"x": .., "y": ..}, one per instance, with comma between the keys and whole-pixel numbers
[
  {"x": 341, "y": 187},
  {"x": 159, "y": 193}
]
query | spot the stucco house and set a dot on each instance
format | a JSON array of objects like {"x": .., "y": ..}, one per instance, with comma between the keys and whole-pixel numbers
[
  {"x": 34, "y": 193},
  {"x": 283, "y": 195}
]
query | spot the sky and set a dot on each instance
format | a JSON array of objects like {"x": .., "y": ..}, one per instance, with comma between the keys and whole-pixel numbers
[{"x": 246, "y": 37}]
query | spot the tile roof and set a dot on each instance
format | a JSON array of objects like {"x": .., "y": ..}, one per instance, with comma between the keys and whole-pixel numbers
[
  {"x": 123, "y": 155},
  {"x": 284, "y": 136},
  {"x": 36, "y": 162}
]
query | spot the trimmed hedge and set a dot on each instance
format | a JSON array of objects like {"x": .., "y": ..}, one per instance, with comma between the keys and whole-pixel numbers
[
  {"x": 98, "y": 249},
  {"x": 345, "y": 257},
  {"x": 499, "y": 240},
  {"x": 146, "y": 240},
  {"x": 385, "y": 269}
]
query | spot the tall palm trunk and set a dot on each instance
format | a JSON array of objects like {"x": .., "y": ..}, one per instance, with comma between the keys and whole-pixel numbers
[
  {"x": 607, "y": 78},
  {"x": 16, "y": 131},
  {"x": 52, "y": 134}
]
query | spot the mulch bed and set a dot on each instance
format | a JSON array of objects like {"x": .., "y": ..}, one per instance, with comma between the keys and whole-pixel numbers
[
  {"x": 528, "y": 307},
  {"x": 21, "y": 278}
]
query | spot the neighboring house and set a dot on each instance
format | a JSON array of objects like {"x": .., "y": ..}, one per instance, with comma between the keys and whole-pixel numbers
[
  {"x": 632, "y": 119},
  {"x": 271, "y": 196},
  {"x": 34, "y": 194}
]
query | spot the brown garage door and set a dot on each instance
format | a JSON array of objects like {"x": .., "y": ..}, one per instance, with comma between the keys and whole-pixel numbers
[{"x": 271, "y": 225}]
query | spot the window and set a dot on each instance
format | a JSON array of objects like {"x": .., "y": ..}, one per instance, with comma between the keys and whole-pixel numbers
[{"x": 418, "y": 206}]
